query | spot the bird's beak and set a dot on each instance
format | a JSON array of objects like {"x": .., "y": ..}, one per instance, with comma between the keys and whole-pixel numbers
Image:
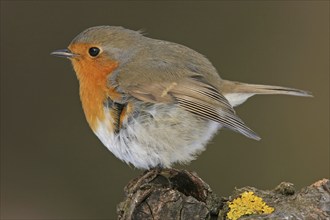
[{"x": 66, "y": 53}]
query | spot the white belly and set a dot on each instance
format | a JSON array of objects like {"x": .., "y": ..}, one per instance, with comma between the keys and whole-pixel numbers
[{"x": 157, "y": 136}]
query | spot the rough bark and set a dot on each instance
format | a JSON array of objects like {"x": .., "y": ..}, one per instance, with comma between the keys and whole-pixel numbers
[{"x": 180, "y": 194}]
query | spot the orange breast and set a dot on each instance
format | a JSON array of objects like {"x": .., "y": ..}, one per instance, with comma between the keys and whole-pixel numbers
[{"x": 92, "y": 74}]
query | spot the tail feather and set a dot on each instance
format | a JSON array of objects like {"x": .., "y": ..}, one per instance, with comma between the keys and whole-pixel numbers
[
  {"x": 237, "y": 93},
  {"x": 268, "y": 89}
]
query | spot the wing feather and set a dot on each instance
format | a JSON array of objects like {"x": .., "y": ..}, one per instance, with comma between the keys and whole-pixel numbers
[
  {"x": 187, "y": 88},
  {"x": 225, "y": 118}
]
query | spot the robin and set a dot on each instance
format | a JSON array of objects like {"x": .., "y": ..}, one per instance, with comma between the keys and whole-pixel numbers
[{"x": 151, "y": 102}]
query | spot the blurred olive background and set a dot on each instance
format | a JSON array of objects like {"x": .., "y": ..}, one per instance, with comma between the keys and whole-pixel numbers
[{"x": 52, "y": 165}]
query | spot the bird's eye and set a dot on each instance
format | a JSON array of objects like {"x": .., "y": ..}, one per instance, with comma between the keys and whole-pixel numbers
[{"x": 94, "y": 51}]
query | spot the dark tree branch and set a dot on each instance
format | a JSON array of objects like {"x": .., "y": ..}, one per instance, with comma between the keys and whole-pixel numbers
[{"x": 180, "y": 194}]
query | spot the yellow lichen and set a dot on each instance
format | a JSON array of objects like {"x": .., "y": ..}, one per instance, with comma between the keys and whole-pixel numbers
[{"x": 247, "y": 204}]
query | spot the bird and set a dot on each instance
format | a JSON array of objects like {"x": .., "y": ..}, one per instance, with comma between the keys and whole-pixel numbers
[{"x": 154, "y": 103}]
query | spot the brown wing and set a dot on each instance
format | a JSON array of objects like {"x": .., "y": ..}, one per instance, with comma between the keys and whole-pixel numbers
[{"x": 189, "y": 89}]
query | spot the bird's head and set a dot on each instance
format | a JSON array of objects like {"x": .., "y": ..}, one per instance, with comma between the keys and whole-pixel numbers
[{"x": 97, "y": 51}]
